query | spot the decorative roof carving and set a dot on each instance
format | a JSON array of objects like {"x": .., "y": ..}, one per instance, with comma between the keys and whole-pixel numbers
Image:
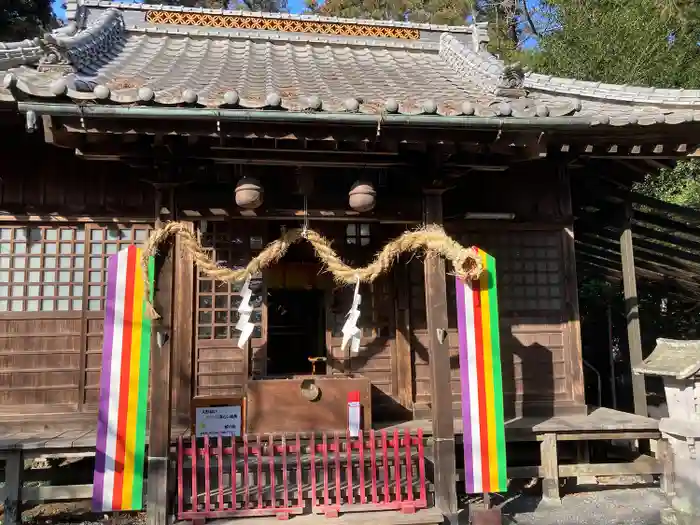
[
  {"x": 14, "y": 54},
  {"x": 480, "y": 66},
  {"x": 87, "y": 48}
]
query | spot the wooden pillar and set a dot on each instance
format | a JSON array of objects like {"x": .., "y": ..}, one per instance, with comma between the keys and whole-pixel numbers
[
  {"x": 183, "y": 303},
  {"x": 634, "y": 334},
  {"x": 161, "y": 374},
  {"x": 441, "y": 390},
  {"x": 402, "y": 346},
  {"x": 550, "y": 468},
  {"x": 14, "y": 477},
  {"x": 574, "y": 346}
]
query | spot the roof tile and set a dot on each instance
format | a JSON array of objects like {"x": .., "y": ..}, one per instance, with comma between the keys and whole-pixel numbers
[{"x": 120, "y": 58}]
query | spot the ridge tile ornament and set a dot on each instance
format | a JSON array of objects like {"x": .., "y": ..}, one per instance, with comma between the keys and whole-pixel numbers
[
  {"x": 481, "y": 381},
  {"x": 121, "y": 415}
]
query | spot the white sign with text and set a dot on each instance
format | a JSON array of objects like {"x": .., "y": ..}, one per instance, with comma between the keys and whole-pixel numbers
[{"x": 224, "y": 420}]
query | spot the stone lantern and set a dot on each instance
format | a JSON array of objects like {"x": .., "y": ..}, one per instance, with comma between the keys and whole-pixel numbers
[
  {"x": 362, "y": 196},
  {"x": 249, "y": 193},
  {"x": 678, "y": 363}
]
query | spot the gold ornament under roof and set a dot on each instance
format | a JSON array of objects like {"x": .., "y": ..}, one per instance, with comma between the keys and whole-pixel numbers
[{"x": 280, "y": 24}]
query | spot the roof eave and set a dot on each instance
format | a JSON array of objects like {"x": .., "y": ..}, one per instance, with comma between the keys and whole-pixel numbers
[{"x": 316, "y": 118}]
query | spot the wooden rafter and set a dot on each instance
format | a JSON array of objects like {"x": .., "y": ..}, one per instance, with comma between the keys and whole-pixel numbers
[
  {"x": 645, "y": 264},
  {"x": 616, "y": 276},
  {"x": 641, "y": 272},
  {"x": 650, "y": 250}
]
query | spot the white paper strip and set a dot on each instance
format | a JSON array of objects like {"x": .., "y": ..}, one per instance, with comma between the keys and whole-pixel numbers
[
  {"x": 245, "y": 309},
  {"x": 351, "y": 333}
]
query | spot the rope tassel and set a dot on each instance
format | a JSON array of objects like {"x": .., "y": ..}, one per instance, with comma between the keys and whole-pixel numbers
[{"x": 429, "y": 240}]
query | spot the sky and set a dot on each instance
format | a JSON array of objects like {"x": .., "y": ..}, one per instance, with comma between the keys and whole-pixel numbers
[{"x": 295, "y": 6}]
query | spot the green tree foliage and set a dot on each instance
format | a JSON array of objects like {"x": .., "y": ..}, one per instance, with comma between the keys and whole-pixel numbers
[
  {"x": 20, "y": 19},
  {"x": 506, "y": 17},
  {"x": 680, "y": 185},
  {"x": 635, "y": 42},
  {"x": 453, "y": 12},
  {"x": 638, "y": 42}
]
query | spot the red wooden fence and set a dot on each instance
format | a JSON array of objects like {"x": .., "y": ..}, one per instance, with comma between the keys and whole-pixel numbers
[{"x": 224, "y": 477}]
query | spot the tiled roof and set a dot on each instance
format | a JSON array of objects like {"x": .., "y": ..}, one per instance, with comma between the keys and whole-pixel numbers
[{"x": 116, "y": 53}]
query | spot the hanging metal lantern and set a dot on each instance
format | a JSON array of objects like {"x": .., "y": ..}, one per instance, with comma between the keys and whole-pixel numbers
[
  {"x": 363, "y": 197},
  {"x": 249, "y": 193}
]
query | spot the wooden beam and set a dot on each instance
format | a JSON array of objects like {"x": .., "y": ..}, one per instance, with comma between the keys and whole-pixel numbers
[
  {"x": 642, "y": 151},
  {"x": 666, "y": 207},
  {"x": 658, "y": 219},
  {"x": 604, "y": 221},
  {"x": 664, "y": 267},
  {"x": 643, "y": 465},
  {"x": 680, "y": 258},
  {"x": 247, "y": 156},
  {"x": 606, "y": 190},
  {"x": 615, "y": 276},
  {"x": 440, "y": 375},
  {"x": 634, "y": 333},
  {"x": 161, "y": 375},
  {"x": 615, "y": 267},
  {"x": 656, "y": 235},
  {"x": 692, "y": 230}
]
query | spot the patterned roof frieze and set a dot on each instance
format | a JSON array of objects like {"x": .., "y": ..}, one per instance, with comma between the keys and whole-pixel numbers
[{"x": 439, "y": 28}]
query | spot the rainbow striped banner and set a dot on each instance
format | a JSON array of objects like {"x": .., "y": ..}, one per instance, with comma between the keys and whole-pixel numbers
[
  {"x": 121, "y": 423},
  {"x": 481, "y": 382}
]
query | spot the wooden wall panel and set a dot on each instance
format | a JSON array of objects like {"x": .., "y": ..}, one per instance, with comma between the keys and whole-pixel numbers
[
  {"x": 534, "y": 328},
  {"x": 52, "y": 180},
  {"x": 51, "y": 312},
  {"x": 39, "y": 362},
  {"x": 220, "y": 367},
  {"x": 377, "y": 359}
]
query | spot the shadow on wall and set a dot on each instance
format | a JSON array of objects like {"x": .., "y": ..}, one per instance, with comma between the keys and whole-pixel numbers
[{"x": 528, "y": 378}]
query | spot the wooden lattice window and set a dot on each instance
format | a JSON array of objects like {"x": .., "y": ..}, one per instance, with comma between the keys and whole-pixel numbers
[
  {"x": 103, "y": 242},
  {"x": 529, "y": 266},
  {"x": 217, "y": 301},
  {"x": 357, "y": 234},
  {"x": 59, "y": 268}
]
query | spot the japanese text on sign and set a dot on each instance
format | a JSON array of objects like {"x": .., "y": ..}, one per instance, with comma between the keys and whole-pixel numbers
[{"x": 212, "y": 421}]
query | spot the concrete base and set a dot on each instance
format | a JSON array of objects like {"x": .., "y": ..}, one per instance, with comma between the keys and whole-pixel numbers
[{"x": 485, "y": 516}]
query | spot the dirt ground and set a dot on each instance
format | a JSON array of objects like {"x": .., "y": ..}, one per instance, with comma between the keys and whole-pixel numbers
[{"x": 632, "y": 506}]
